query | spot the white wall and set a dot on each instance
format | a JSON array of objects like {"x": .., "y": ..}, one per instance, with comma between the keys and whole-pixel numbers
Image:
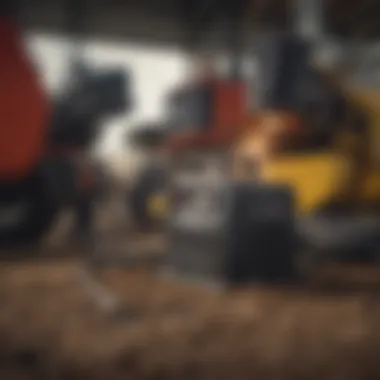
[{"x": 154, "y": 71}]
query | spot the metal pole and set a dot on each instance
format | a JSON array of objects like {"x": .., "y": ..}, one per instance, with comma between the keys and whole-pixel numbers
[
  {"x": 199, "y": 17},
  {"x": 76, "y": 11},
  {"x": 309, "y": 19},
  {"x": 235, "y": 29}
]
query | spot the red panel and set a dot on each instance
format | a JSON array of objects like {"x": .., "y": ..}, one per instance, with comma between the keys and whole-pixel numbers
[
  {"x": 230, "y": 109},
  {"x": 229, "y": 112},
  {"x": 23, "y": 107}
]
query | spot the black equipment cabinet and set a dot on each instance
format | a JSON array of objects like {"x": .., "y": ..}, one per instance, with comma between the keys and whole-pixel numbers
[{"x": 253, "y": 238}]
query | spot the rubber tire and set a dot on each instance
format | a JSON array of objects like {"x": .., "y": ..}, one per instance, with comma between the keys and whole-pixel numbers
[{"x": 150, "y": 181}]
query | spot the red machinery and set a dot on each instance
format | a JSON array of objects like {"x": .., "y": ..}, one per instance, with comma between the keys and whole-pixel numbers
[
  {"x": 41, "y": 138},
  {"x": 209, "y": 114},
  {"x": 24, "y": 107}
]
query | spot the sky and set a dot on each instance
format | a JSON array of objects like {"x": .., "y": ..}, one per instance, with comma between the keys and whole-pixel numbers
[{"x": 154, "y": 73}]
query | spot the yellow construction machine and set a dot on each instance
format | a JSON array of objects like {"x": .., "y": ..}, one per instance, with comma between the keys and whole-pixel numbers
[
  {"x": 327, "y": 154},
  {"x": 302, "y": 183},
  {"x": 341, "y": 171}
]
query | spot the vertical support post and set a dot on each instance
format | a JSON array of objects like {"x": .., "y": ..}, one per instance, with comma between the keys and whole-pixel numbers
[
  {"x": 199, "y": 19},
  {"x": 309, "y": 19},
  {"x": 235, "y": 11},
  {"x": 76, "y": 10}
]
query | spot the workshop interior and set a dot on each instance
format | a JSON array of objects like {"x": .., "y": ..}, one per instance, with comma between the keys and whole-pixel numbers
[{"x": 261, "y": 176}]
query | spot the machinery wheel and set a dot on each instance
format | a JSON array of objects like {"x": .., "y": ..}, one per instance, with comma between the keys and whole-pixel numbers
[
  {"x": 35, "y": 215},
  {"x": 148, "y": 193}
]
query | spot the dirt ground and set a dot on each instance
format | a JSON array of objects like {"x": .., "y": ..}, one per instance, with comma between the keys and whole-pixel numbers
[{"x": 51, "y": 329}]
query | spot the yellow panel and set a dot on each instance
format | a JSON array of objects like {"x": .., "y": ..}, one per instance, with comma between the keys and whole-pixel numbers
[
  {"x": 370, "y": 192},
  {"x": 315, "y": 178}
]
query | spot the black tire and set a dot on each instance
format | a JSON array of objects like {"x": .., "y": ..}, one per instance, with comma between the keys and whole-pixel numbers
[
  {"x": 39, "y": 215},
  {"x": 150, "y": 181}
]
